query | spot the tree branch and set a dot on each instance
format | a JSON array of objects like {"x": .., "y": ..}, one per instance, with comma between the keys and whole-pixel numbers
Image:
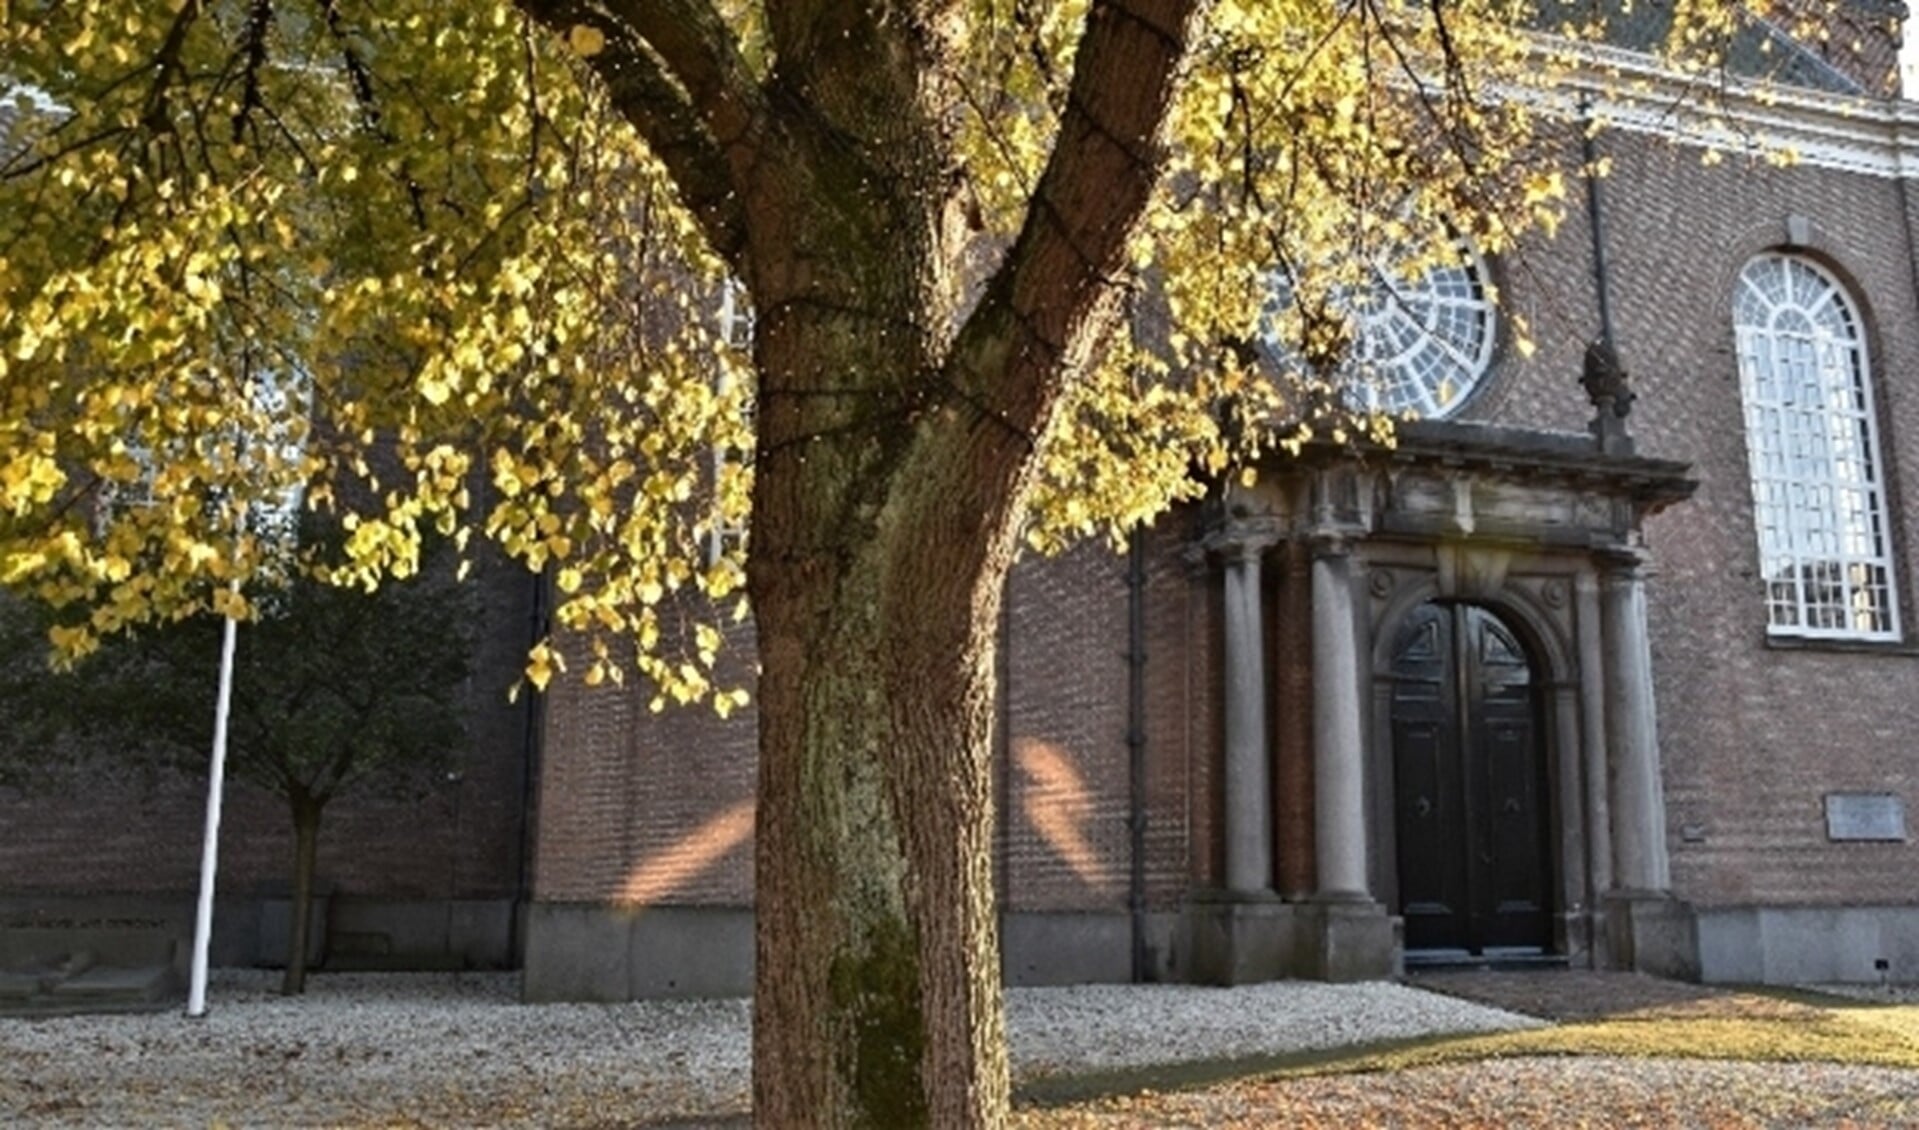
[
  {"x": 360, "y": 76},
  {"x": 675, "y": 72},
  {"x": 259, "y": 23},
  {"x": 1102, "y": 170}
]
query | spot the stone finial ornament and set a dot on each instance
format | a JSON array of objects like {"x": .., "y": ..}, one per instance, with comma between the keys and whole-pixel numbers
[{"x": 1610, "y": 390}]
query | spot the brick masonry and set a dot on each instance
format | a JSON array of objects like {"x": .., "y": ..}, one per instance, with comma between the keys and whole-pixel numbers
[
  {"x": 642, "y": 809},
  {"x": 1752, "y": 734},
  {"x": 100, "y": 828}
]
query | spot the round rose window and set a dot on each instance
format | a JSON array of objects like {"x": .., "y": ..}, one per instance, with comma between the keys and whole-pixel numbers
[{"x": 1422, "y": 343}]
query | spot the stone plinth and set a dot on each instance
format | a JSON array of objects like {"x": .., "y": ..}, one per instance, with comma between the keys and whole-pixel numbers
[
  {"x": 1240, "y": 939},
  {"x": 1349, "y": 940},
  {"x": 1652, "y": 932}
]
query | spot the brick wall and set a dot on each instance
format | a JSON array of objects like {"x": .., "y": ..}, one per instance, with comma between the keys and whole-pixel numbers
[
  {"x": 1752, "y": 734},
  {"x": 647, "y": 808},
  {"x": 100, "y": 827},
  {"x": 653, "y": 809},
  {"x": 656, "y": 808}
]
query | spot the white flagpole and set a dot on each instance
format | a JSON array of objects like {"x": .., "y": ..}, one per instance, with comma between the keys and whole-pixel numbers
[{"x": 210, "y": 851}]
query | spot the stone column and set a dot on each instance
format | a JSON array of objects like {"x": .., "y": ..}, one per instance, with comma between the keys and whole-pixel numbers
[
  {"x": 1592, "y": 743},
  {"x": 1638, "y": 800},
  {"x": 1248, "y": 791},
  {"x": 1241, "y": 932},
  {"x": 1339, "y": 780}
]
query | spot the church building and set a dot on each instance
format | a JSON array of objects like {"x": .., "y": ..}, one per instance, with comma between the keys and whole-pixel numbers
[
  {"x": 1611, "y": 661},
  {"x": 1606, "y": 663}
]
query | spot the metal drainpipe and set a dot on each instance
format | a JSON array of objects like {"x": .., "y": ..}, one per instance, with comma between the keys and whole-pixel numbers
[
  {"x": 1003, "y": 753},
  {"x": 1596, "y": 212},
  {"x": 1136, "y": 745},
  {"x": 530, "y": 735}
]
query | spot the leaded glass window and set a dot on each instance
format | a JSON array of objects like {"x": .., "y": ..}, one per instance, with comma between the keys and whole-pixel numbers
[
  {"x": 1422, "y": 341},
  {"x": 1819, "y": 499}
]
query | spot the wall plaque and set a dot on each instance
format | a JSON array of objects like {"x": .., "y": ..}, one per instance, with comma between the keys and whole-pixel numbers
[{"x": 1872, "y": 817}]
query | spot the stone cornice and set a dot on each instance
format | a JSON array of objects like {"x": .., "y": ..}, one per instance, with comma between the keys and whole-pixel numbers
[
  {"x": 1447, "y": 480},
  {"x": 1634, "y": 92}
]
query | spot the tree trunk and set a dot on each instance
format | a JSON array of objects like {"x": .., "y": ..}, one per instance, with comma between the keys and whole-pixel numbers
[
  {"x": 902, "y": 399},
  {"x": 897, "y": 442},
  {"x": 878, "y": 994},
  {"x": 306, "y": 838}
]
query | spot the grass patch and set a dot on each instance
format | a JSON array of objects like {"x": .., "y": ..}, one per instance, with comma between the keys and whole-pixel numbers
[{"x": 1757, "y": 1027}]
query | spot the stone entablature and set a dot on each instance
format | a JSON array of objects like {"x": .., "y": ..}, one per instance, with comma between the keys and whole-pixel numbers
[{"x": 1451, "y": 480}]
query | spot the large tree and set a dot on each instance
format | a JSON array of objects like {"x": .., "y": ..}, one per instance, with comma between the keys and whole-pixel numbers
[{"x": 1012, "y": 265}]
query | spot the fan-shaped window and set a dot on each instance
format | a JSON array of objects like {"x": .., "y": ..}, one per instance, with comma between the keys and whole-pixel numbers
[
  {"x": 1819, "y": 498},
  {"x": 1422, "y": 342}
]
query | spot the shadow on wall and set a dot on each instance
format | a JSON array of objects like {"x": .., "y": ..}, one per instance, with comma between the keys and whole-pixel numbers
[{"x": 1053, "y": 797}]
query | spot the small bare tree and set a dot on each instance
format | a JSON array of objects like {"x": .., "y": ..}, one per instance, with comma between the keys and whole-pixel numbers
[{"x": 335, "y": 689}]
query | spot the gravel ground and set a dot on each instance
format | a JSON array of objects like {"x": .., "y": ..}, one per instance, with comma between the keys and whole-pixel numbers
[{"x": 441, "y": 1050}]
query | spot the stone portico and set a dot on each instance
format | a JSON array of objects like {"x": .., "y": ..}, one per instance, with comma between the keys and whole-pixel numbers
[{"x": 1521, "y": 766}]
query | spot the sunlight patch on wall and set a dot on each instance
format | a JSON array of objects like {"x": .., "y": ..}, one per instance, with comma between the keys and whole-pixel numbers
[
  {"x": 673, "y": 869},
  {"x": 1055, "y": 800}
]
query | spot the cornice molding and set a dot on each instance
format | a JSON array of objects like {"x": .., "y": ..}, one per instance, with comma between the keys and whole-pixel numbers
[{"x": 1636, "y": 93}]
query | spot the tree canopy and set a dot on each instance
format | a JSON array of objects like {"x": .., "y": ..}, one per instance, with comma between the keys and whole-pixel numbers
[{"x": 439, "y": 226}]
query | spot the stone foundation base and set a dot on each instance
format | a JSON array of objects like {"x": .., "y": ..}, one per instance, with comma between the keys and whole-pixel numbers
[
  {"x": 1796, "y": 945},
  {"x": 1242, "y": 939},
  {"x": 1652, "y": 933},
  {"x": 1350, "y": 941}
]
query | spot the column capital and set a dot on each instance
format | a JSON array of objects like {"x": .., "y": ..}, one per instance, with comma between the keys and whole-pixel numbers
[
  {"x": 1624, "y": 566},
  {"x": 1243, "y": 540},
  {"x": 1332, "y": 541}
]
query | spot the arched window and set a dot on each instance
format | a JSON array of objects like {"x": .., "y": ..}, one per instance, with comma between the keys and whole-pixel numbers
[{"x": 1819, "y": 497}]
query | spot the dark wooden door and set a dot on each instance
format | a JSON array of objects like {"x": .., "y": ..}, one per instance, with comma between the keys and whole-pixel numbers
[{"x": 1469, "y": 785}]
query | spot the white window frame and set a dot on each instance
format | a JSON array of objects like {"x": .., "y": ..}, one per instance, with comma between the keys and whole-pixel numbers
[{"x": 1821, "y": 517}]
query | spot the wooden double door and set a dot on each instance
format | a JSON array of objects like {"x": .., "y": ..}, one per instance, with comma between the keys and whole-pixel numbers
[{"x": 1469, "y": 785}]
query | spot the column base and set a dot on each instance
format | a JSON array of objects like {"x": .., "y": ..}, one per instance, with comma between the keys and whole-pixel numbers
[
  {"x": 1241, "y": 939},
  {"x": 1581, "y": 938},
  {"x": 1350, "y": 940},
  {"x": 1651, "y": 932}
]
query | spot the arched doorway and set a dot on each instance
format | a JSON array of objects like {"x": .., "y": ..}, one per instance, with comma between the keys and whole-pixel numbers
[{"x": 1469, "y": 786}]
